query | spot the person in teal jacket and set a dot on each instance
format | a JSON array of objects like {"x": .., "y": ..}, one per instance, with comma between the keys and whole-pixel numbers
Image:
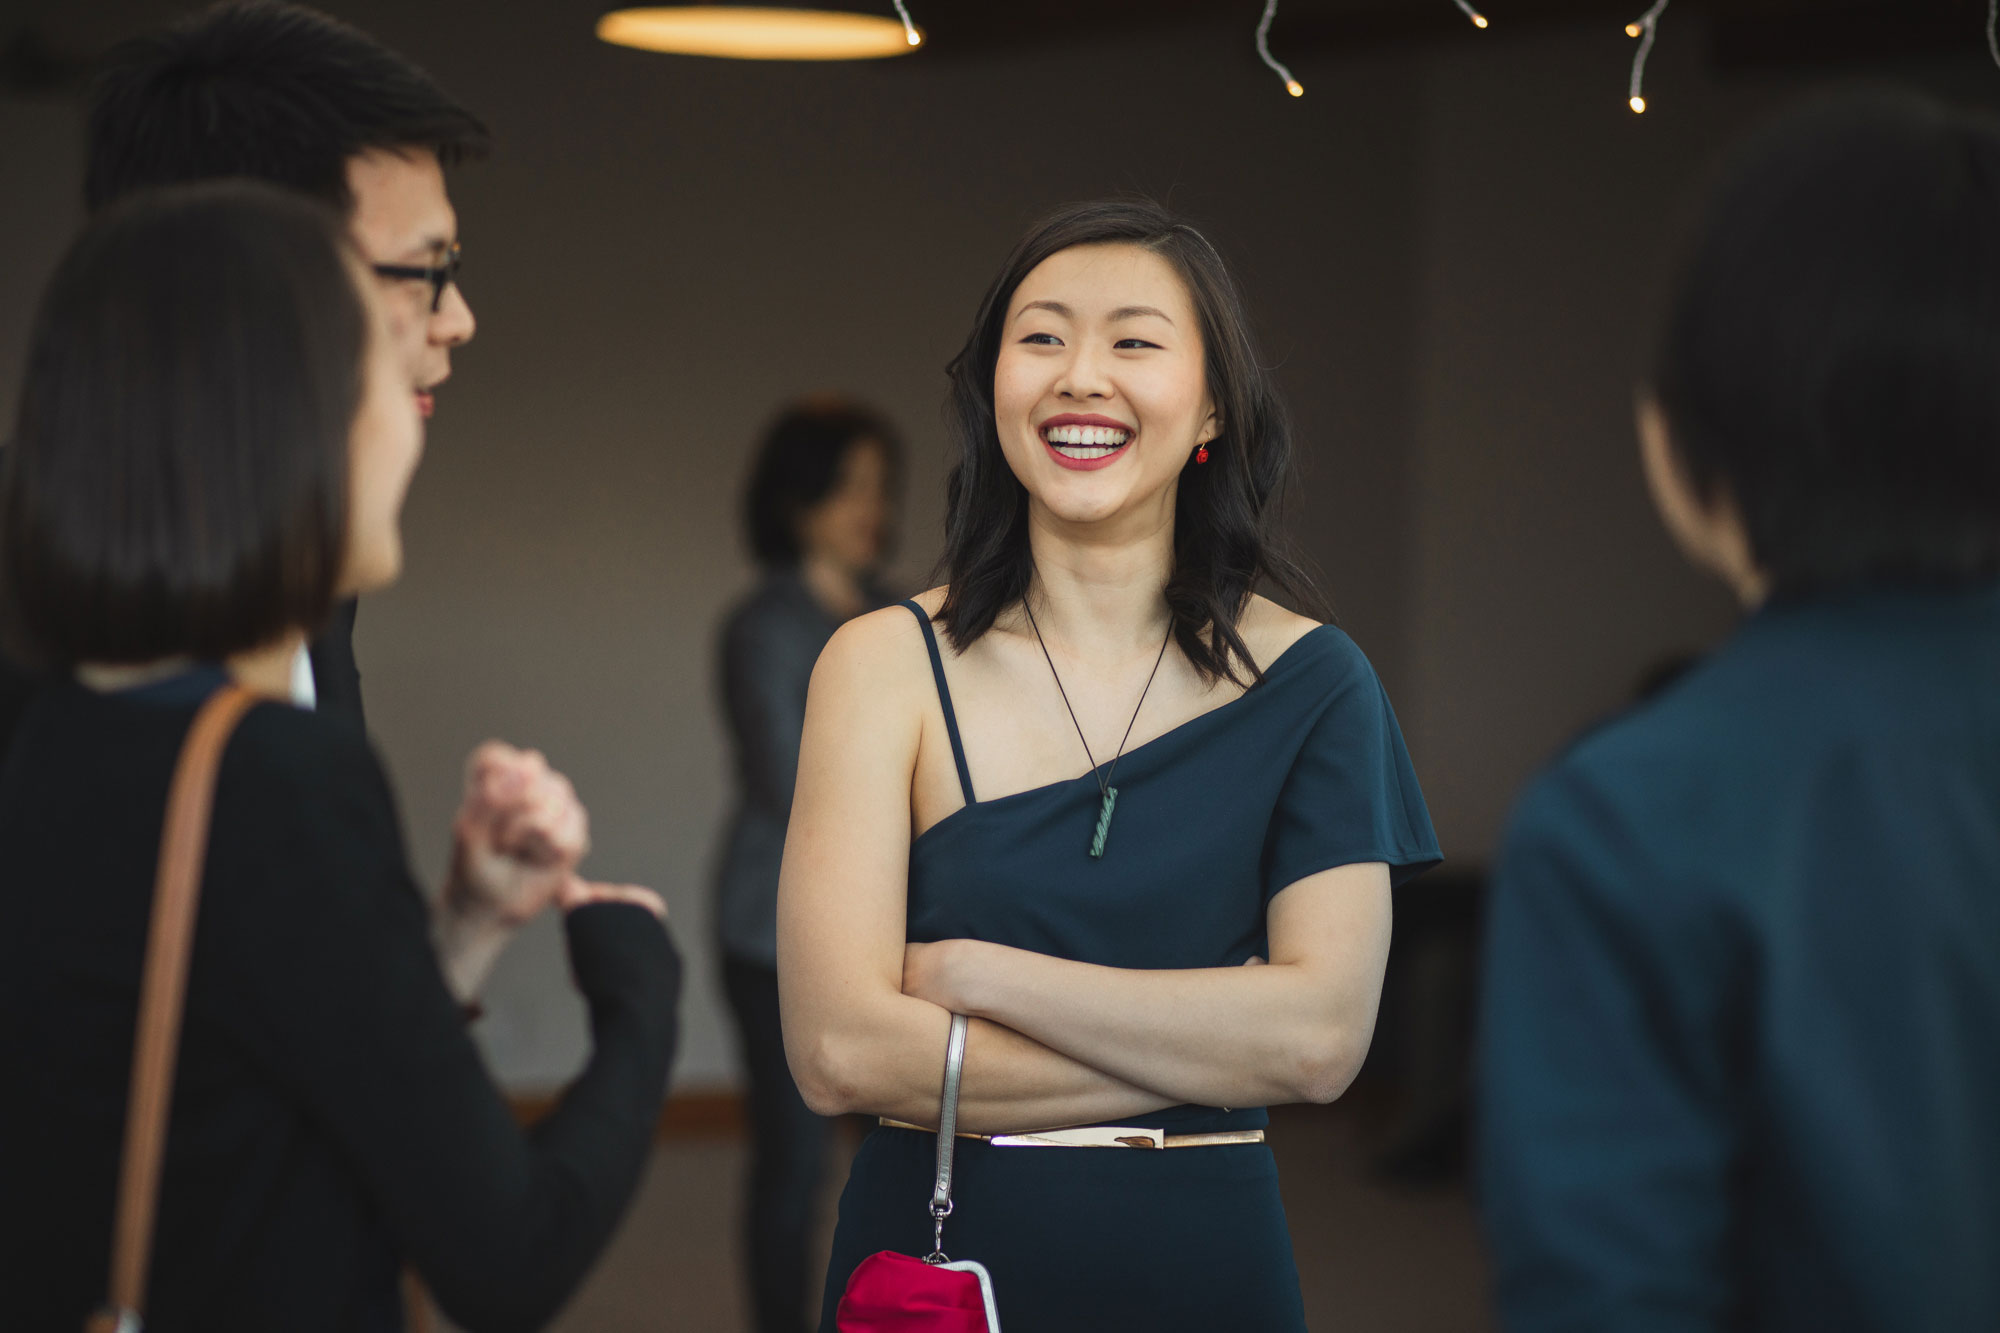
[{"x": 1740, "y": 1061}]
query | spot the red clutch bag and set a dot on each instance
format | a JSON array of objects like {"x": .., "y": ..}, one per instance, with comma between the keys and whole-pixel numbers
[{"x": 896, "y": 1293}]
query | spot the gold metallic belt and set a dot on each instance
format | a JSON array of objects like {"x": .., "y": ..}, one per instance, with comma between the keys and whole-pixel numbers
[{"x": 1098, "y": 1136}]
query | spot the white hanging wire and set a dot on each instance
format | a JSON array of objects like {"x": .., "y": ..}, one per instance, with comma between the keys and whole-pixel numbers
[
  {"x": 1993, "y": 29},
  {"x": 1292, "y": 85},
  {"x": 910, "y": 33},
  {"x": 1646, "y": 28}
]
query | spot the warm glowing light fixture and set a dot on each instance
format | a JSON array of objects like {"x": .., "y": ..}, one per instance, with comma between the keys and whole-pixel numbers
[{"x": 759, "y": 32}]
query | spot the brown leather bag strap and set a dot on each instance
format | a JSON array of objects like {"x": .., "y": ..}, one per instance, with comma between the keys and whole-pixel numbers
[{"x": 163, "y": 988}]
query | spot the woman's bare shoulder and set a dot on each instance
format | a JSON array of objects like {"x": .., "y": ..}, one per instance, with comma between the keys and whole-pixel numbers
[
  {"x": 1269, "y": 629},
  {"x": 882, "y": 645},
  {"x": 871, "y": 686}
]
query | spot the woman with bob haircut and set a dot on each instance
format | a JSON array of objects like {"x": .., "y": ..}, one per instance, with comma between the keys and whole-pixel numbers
[
  {"x": 1137, "y": 821},
  {"x": 215, "y": 435},
  {"x": 1741, "y": 1052}
]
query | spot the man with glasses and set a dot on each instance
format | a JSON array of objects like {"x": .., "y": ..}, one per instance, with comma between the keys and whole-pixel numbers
[
  {"x": 285, "y": 94},
  {"x": 289, "y": 95}
]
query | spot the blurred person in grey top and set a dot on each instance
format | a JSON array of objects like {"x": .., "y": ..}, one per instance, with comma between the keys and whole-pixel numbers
[{"x": 819, "y": 517}]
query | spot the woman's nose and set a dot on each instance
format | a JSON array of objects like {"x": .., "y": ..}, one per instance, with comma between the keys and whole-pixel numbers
[{"x": 1083, "y": 377}]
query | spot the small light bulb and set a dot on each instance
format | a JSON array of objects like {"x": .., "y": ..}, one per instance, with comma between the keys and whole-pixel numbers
[
  {"x": 915, "y": 39},
  {"x": 1295, "y": 88},
  {"x": 1639, "y": 105},
  {"x": 1634, "y": 30},
  {"x": 1479, "y": 21}
]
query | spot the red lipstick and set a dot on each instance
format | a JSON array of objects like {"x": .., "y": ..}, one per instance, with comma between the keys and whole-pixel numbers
[{"x": 1085, "y": 419}]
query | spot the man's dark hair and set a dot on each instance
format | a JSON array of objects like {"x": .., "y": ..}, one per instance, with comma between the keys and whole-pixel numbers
[
  {"x": 258, "y": 88},
  {"x": 1226, "y": 532},
  {"x": 1831, "y": 358},
  {"x": 798, "y": 465},
  {"x": 177, "y": 481}
]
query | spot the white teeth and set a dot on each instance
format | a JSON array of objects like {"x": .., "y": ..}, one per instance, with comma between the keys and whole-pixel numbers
[{"x": 1094, "y": 437}]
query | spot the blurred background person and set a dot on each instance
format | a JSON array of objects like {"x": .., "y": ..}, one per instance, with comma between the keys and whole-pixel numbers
[
  {"x": 1741, "y": 1057},
  {"x": 215, "y": 438},
  {"x": 819, "y": 514}
]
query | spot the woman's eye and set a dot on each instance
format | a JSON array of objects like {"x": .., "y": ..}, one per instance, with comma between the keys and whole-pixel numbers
[
  {"x": 1133, "y": 342},
  {"x": 1043, "y": 340}
]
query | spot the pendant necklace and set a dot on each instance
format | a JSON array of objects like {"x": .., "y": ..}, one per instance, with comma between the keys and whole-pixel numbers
[{"x": 1104, "y": 787}]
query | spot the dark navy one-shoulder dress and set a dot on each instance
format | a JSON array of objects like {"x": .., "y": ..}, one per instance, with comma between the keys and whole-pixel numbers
[{"x": 1304, "y": 772}]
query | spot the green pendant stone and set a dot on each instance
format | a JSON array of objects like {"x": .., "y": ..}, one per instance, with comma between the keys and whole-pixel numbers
[{"x": 1103, "y": 823}]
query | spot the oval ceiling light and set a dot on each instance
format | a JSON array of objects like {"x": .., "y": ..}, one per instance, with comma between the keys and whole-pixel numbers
[{"x": 757, "y": 32}]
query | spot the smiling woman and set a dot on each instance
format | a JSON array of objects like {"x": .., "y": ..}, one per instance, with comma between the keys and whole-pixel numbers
[
  {"x": 953, "y": 848},
  {"x": 1177, "y": 325}
]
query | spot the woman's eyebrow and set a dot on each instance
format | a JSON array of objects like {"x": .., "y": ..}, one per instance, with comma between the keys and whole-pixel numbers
[
  {"x": 1053, "y": 307},
  {"x": 1122, "y": 312}
]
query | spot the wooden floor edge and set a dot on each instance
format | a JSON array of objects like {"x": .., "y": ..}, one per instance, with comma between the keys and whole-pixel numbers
[{"x": 690, "y": 1114}]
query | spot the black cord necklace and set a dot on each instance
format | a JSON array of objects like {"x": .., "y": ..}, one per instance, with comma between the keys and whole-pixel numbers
[{"x": 1104, "y": 787}]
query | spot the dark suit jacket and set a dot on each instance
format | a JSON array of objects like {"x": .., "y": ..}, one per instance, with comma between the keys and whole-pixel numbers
[{"x": 336, "y": 680}]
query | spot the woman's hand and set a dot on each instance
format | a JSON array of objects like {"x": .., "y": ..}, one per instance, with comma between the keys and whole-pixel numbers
[{"x": 516, "y": 841}]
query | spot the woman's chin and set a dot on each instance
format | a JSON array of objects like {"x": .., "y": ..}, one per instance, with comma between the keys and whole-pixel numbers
[{"x": 1086, "y": 506}]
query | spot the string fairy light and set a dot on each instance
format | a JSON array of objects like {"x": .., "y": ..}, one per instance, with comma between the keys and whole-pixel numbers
[
  {"x": 910, "y": 33},
  {"x": 1292, "y": 85},
  {"x": 1646, "y": 28}
]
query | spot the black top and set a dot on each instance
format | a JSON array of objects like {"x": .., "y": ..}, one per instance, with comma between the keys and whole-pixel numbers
[
  {"x": 16, "y": 686},
  {"x": 1303, "y": 772},
  {"x": 1742, "y": 1015},
  {"x": 336, "y": 680},
  {"x": 331, "y": 1116}
]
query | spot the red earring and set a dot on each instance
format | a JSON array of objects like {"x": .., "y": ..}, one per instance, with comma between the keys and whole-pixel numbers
[{"x": 1201, "y": 454}]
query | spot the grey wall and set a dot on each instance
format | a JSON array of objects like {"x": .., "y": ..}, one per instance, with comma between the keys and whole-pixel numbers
[
  {"x": 1450, "y": 253},
  {"x": 1543, "y": 587}
]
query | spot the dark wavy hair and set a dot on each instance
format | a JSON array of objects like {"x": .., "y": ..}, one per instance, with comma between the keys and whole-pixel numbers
[
  {"x": 1226, "y": 532},
  {"x": 798, "y": 465}
]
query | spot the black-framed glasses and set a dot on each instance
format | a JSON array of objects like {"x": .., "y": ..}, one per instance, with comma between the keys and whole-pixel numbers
[{"x": 440, "y": 275}]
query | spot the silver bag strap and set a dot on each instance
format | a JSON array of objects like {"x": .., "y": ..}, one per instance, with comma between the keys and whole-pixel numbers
[{"x": 947, "y": 1136}]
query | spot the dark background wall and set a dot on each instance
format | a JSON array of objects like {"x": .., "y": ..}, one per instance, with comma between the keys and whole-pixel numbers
[{"x": 1451, "y": 248}]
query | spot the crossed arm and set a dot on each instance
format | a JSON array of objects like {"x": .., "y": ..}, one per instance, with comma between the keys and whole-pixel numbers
[{"x": 1053, "y": 1042}]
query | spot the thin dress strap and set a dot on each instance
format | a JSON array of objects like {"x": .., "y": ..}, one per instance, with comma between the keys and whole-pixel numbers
[{"x": 944, "y": 697}]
